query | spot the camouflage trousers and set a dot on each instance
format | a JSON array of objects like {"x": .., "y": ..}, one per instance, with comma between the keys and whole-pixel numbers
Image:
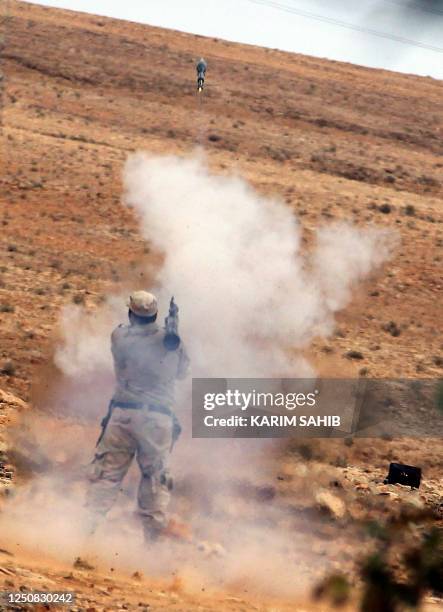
[{"x": 147, "y": 436}]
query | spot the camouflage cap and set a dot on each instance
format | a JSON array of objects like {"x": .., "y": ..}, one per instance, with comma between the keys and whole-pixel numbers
[{"x": 143, "y": 303}]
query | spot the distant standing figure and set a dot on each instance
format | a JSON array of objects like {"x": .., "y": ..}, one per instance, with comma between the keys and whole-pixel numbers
[{"x": 201, "y": 73}]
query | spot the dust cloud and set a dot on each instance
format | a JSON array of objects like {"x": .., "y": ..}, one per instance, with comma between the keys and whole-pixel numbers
[
  {"x": 248, "y": 295},
  {"x": 251, "y": 298}
]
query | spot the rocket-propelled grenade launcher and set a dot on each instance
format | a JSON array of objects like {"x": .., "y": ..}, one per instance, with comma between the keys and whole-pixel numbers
[
  {"x": 171, "y": 340},
  {"x": 201, "y": 73}
]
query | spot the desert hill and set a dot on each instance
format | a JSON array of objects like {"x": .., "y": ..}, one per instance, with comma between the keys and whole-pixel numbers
[{"x": 333, "y": 140}]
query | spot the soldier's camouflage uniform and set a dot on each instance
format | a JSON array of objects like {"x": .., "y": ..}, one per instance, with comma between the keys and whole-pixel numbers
[{"x": 138, "y": 427}]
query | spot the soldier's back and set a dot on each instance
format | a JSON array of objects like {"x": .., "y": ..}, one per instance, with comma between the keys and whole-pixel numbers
[{"x": 145, "y": 369}]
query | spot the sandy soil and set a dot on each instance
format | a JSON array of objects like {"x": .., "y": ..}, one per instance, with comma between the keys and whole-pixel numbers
[{"x": 333, "y": 140}]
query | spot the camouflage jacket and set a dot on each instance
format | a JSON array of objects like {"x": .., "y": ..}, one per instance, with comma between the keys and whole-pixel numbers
[{"x": 144, "y": 369}]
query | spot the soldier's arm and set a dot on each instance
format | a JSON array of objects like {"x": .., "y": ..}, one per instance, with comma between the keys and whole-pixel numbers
[{"x": 117, "y": 354}]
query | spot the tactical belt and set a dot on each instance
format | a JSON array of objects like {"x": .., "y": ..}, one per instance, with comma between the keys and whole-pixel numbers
[
  {"x": 176, "y": 427},
  {"x": 139, "y": 405}
]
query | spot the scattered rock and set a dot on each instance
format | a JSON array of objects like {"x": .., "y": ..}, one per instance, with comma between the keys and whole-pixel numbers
[
  {"x": 327, "y": 348},
  {"x": 8, "y": 368},
  {"x": 354, "y": 355},
  {"x": 82, "y": 564},
  {"x": 409, "y": 210},
  {"x": 333, "y": 504},
  {"x": 12, "y": 400},
  {"x": 391, "y": 328},
  {"x": 336, "y": 484},
  {"x": 385, "y": 209},
  {"x": 78, "y": 298}
]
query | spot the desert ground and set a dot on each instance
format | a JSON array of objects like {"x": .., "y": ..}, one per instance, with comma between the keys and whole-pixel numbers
[{"x": 334, "y": 141}]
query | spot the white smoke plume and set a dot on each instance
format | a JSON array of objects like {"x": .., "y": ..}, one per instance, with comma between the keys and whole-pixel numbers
[
  {"x": 249, "y": 297},
  {"x": 233, "y": 260},
  {"x": 87, "y": 354}
]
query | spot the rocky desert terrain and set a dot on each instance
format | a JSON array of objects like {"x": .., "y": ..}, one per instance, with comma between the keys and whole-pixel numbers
[{"x": 334, "y": 141}]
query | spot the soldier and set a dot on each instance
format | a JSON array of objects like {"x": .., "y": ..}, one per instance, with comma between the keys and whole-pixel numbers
[
  {"x": 140, "y": 422},
  {"x": 201, "y": 73}
]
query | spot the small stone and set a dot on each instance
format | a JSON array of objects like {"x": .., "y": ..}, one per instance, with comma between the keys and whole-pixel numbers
[
  {"x": 409, "y": 210},
  {"x": 392, "y": 328},
  {"x": 354, "y": 355},
  {"x": 333, "y": 504},
  {"x": 82, "y": 564},
  {"x": 385, "y": 209}
]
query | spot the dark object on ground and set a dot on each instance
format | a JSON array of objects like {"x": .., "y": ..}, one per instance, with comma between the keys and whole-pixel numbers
[
  {"x": 404, "y": 474},
  {"x": 385, "y": 209},
  {"x": 354, "y": 355},
  {"x": 82, "y": 564}
]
